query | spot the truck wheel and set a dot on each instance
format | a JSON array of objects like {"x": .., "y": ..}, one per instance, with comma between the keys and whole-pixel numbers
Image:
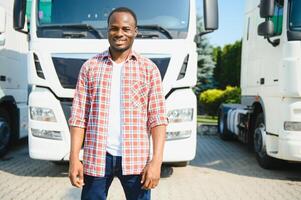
[
  {"x": 5, "y": 132},
  {"x": 222, "y": 125},
  {"x": 264, "y": 160}
]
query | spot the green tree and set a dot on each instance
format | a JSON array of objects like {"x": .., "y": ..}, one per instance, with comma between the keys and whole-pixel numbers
[
  {"x": 217, "y": 57},
  {"x": 228, "y": 62},
  {"x": 206, "y": 64}
]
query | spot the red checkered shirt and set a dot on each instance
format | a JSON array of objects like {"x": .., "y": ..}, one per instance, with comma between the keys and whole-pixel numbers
[{"x": 142, "y": 108}]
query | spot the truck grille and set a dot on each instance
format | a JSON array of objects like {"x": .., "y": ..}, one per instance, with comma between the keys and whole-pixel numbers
[{"x": 67, "y": 69}]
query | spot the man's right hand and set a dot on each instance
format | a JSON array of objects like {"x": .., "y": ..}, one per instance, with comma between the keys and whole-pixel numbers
[{"x": 76, "y": 173}]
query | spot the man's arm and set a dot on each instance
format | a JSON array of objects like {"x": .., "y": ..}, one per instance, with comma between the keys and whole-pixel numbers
[
  {"x": 76, "y": 173},
  {"x": 157, "y": 122},
  {"x": 151, "y": 173},
  {"x": 78, "y": 123}
]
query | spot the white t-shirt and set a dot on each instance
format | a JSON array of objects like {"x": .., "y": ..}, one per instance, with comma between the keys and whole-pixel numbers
[{"x": 114, "y": 139}]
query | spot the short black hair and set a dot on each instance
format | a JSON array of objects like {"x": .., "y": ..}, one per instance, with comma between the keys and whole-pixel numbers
[{"x": 123, "y": 9}]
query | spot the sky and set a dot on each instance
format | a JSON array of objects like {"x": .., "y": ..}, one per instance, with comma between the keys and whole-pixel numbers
[{"x": 230, "y": 22}]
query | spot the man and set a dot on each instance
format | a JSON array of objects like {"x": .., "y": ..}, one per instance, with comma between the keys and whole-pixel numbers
[{"x": 118, "y": 104}]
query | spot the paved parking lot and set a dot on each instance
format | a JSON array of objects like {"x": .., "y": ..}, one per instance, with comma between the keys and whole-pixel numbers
[{"x": 221, "y": 170}]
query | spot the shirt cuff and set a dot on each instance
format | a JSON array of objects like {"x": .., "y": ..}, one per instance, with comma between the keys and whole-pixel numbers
[
  {"x": 77, "y": 123},
  {"x": 156, "y": 121}
]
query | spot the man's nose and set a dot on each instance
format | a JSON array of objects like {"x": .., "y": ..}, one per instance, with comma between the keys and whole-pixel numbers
[{"x": 119, "y": 32}]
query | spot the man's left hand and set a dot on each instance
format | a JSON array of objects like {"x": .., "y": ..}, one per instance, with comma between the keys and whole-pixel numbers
[{"x": 151, "y": 175}]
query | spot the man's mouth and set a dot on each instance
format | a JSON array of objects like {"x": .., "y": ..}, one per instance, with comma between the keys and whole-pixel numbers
[{"x": 119, "y": 41}]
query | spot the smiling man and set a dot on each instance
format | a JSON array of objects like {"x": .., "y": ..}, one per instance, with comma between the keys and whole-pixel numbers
[{"x": 118, "y": 105}]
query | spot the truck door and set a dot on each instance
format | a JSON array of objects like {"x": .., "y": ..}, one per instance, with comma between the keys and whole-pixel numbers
[{"x": 13, "y": 62}]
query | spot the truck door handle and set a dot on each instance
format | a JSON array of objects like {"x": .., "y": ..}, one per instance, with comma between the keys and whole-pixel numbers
[
  {"x": 261, "y": 81},
  {"x": 2, "y": 78}
]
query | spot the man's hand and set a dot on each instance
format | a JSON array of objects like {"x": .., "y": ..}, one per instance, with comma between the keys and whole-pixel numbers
[
  {"x": 151, "y": 175},
  {"x": 76, "y": 170},
  {"x": 76, "y": 173},
  {"x": 151, "y": 172}
]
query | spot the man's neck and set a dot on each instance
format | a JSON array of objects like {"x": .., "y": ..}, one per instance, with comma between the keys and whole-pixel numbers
[{"x": 118, "y": 56}]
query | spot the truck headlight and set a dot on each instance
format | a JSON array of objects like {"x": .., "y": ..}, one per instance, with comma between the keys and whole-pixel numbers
[
  {"x": 180, "y": 115},
  {"x": 47, "y": 134},
  {"x": 178, "y": 135},
  {"x": 42, "y": 114},
  {"x": 292, "y": 126}
]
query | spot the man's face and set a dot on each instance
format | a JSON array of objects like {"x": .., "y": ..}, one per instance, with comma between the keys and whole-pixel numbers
[{"x": 121, "y": 31}]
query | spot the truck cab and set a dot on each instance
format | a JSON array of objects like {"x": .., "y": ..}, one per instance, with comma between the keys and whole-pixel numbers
[
  {"x": 62, "y": 35},
  {"x": 268, "y": 118}
]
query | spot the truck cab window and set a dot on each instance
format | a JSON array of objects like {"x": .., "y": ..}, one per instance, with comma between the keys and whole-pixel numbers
[
  {"x": 295, "y": 15},
  {"x": 28, "y": 7},
  {"x": 157, "y": 19},
  {"x": 28, "y": 12},
  {"x": 278, "y": 17},
  {"x": 44, "y": 11}
]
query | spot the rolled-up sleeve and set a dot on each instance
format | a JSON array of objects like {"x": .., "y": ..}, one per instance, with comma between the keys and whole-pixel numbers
[
  {"x": 81, "y": 102},
  {"x": 156, "y": 101}
]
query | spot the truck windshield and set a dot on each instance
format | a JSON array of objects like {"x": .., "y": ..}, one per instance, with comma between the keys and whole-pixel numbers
[
  {"x": 295, "y": 15},
  {"x": 157, "y": 19}
]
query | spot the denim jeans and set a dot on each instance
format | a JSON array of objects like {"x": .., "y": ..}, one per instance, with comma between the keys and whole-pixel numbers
[{"x": 96, "y": 188}]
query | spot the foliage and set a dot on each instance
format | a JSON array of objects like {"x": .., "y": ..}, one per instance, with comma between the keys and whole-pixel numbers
[
  {"x": 217, "y": 68},
  {"x": 228, "y": 62},
  {"x": 213, "y": 98},
  {"x": 206, "y": 64},
  {"x": 205, "y": 119},
  {"x": 231, "y": 95}
]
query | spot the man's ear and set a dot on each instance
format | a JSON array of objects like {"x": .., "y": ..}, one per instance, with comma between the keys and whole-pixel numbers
[{"x": 136, "y": 31}]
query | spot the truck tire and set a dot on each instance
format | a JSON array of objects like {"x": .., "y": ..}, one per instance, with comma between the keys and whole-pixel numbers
[
  {"x": 263, "y": 159},
  {"x": 222, "y": 124},
  {"x": 5, "y": 132}
]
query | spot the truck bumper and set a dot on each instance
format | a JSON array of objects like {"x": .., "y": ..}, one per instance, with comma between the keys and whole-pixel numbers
[
  {"x": 43, "y": 148},
  {"x": 290, "y": 148}
]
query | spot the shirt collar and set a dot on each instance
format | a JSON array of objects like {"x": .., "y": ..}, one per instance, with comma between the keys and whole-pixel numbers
[{"x": 132, "y": 56}]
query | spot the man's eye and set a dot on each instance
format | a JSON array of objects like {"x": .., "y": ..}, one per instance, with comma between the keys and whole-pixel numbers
[{"x": 113, "y": 29}]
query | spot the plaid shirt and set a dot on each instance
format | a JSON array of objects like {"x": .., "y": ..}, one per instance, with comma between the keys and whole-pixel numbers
[{"x": 142, "y": 108}]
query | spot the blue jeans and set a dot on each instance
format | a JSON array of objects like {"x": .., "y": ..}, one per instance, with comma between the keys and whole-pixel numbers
[{"x": 96, "y": 188}]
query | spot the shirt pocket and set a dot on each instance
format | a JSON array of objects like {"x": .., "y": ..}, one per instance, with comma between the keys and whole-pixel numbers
[{"x": 139, "y": 94}]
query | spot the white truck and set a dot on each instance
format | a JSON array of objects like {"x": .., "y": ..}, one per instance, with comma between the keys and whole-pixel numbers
[
  {"x": 269, "y": 116},
  {"x": 63, "y": 34},
  {"x": 13, "y": 79}
]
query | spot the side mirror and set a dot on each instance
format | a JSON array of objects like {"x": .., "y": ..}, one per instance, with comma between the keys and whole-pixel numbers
[
  {"x": 19, "y": 14},
  {"x": 2, "y": 20},
  {"x": 211, "y": 15},
  {"x": 267, "y": 8},
  {"x": 266, "y": 29}
]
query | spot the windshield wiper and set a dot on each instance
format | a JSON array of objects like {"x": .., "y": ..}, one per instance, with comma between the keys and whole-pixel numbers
[
  {"x": 74, "y": 35},
  {"x": 156, "y": 28},
  {"x": 140, "y": 35},
  {"x": 85, "y": 27}
]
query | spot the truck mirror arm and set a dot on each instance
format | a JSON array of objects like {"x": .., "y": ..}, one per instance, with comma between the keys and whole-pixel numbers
[
  {"x": 22, "y": 31},
  {"x": 198, "y": 36},
  {"x": 205, "y": 32},
  {"x": 274, "y": 43}
]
